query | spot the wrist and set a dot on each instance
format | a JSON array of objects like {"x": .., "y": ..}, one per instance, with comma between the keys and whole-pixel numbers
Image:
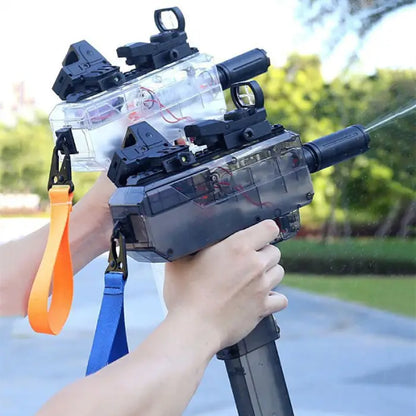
[
  {"x": 89, "y": 232},
  {"x": 93, "y": 213},
  {"x": 197, "y": 330}
]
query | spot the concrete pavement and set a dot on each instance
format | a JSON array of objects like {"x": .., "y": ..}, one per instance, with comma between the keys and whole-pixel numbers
[{"x": 340, "y": 359}]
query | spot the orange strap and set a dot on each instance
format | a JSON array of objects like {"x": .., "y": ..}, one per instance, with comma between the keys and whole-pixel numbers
[{"x": 56, "y": 267}]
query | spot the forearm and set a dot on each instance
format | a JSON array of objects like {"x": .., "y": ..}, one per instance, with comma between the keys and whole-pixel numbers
[
  {"x": 89, "y": 234},
  {"x": 157, "y": 379},
  {"x": 19, "y": 261},
  {"x": 89, "y": 237}
]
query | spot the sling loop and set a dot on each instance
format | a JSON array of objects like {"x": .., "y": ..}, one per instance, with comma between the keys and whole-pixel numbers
[
  {"x": 110, "y": 339},
  {"x": 55, "y": 274}
]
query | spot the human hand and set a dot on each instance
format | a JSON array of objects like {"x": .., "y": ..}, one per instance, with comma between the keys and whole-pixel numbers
[{"x": 228, "y": 287}]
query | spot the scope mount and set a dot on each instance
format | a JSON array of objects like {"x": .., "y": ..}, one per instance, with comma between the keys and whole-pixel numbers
[
  {"x": 246, "y": 124},
  {"x": 166, "y": 47},
  {"x": 85, "y": 72}
]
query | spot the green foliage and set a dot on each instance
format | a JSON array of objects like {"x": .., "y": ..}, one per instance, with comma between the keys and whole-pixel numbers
[
  {"x": 25, "y": 158},
  {"x": 25, "y": 154},
  {"x": 292, "y": 94},
  {"x": 395, "y": 294},
  {"x": 399, "y": 89},
  {"x": 361, "y": 190},
  {"x": 352, "y": 256},
  {"x": 387, "y": 172}
]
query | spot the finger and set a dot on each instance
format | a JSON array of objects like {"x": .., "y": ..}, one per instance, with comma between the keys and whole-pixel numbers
[
  {"x": 275, "y": 303},
  {"x": 259, "y": 235},
  {"x": 274, "y": 276},
  {"x": 270, "y": 255}
]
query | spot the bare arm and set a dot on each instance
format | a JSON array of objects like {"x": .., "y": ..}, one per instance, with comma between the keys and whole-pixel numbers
[
  {"x": 214, "y": 299},
  {"x": 90, "y": 230}
]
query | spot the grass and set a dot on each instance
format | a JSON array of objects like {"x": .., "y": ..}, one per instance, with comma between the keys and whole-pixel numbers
[
  {"x": 390, "y": 256},
  {"x": 395, "y": 293},
  {"x": 354, "y": 248}
]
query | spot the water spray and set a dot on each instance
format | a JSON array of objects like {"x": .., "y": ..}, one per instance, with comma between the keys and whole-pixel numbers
[{"x": 389, "y": 118}]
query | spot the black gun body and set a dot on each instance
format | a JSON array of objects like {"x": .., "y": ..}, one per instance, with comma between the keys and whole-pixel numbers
[
  {"x": 336, "y": 147},
  {"x": 179, "y": 215}
]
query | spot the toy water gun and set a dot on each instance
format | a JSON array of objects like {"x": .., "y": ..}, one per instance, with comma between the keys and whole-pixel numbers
[
  {"x": 172, "y": 202},
  {"x": 171, "y": 85}
]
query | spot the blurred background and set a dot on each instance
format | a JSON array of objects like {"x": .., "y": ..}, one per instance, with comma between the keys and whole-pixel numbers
[{"x": 334, "y": 63}]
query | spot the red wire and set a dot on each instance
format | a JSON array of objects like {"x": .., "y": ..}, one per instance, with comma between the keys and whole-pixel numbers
[{"x": 163, "y": 107}]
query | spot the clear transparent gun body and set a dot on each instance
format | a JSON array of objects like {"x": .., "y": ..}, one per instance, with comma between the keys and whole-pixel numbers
[{"x": 182, "y": 93}]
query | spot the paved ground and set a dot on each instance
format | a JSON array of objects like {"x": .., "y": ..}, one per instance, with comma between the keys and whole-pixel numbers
[{"x": 340, "y": 359}]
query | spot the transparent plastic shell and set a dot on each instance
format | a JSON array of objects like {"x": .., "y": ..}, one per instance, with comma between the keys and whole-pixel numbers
[
  {"x": 182, "y": 214},
  {"x": 169, "y": 98}
]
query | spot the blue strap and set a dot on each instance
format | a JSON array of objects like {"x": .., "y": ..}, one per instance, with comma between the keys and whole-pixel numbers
[{"x": 110, "y": 339}]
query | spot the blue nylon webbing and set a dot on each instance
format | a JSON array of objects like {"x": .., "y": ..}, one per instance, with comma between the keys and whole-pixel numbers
[{"x": 110, "y": 339}]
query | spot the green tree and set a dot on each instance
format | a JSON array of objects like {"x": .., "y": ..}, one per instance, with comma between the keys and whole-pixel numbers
[
  {"x": 360, "y": 191},
  {"x": 25, "y": 159},
  {"x": 379, "y": 98},
  {"x": 25, "y": 153}
]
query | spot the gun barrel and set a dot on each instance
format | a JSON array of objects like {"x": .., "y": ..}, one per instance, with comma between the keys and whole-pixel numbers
[
  {"x": 243, "y": 67},
  {"x": 336, "y": 147}
]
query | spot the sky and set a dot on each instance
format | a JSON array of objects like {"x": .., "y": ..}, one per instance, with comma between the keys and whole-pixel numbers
[{"x": 35, "y": 36}]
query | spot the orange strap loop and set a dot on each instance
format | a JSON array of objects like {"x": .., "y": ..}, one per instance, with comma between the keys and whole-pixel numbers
[{"x": 55, "y": 270}]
